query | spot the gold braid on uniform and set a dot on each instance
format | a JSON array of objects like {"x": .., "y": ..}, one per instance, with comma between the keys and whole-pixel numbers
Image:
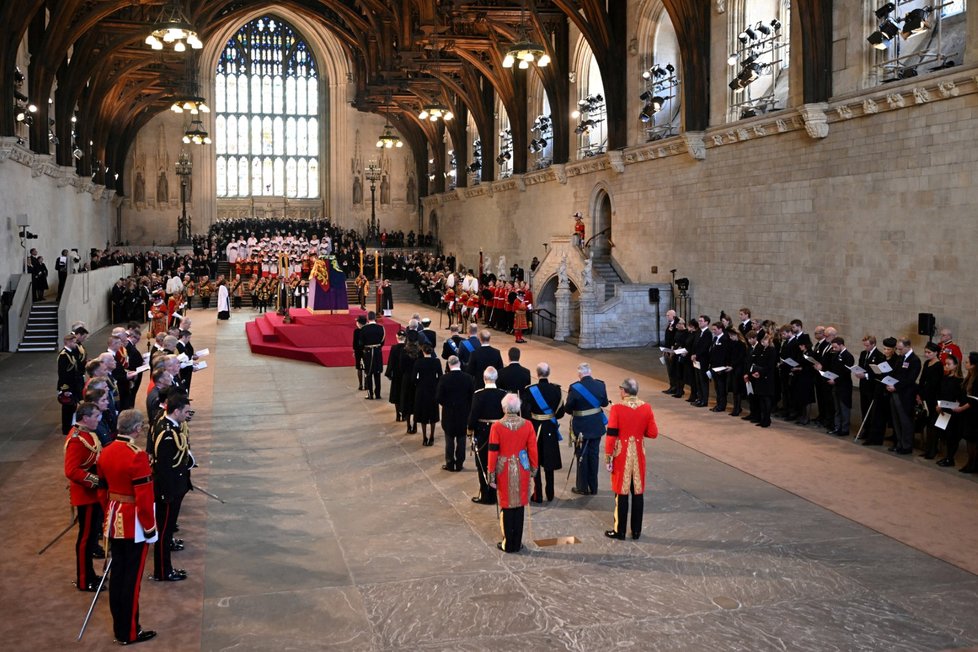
[{"x": 179, "y": 440}]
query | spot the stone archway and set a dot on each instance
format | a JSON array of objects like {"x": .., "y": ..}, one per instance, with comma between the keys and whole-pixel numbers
[
  {"x": 433, "y": 225},
  {"x": 601, "y": 220},
  {"x": 545, "y": 307}
]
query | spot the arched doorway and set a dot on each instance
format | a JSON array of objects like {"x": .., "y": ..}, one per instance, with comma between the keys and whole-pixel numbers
[
  {"x": 545, "y": 310},
  {"x": 433, "y": 227},
  {"x": 601, "y": 217}
]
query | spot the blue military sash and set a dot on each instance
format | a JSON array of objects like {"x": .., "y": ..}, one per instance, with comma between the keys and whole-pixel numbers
[
  {"x": 544, "y": 408},
  {"x": 468, "y": 345},
  {"x": 590, "y": 398},
  {"x": 452, "y": 344}
]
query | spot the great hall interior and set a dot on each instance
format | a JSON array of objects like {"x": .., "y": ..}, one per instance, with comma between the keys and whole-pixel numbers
[{"x": 812, "y": 160}]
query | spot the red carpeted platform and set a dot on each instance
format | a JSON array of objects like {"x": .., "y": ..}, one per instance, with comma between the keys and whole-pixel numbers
[{"x": 322, "y": 338}]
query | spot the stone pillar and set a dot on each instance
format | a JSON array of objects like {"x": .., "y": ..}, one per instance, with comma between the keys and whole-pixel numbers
[
  {"x": 563, "y": 297},
  {"x": 589, "y": 330}
]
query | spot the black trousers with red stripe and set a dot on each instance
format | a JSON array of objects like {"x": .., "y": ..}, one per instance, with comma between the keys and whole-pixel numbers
[
  {"x": 89, "y": 524},
  {"x": 166, "y": 518},
  {"x": 128, "y": 563}
]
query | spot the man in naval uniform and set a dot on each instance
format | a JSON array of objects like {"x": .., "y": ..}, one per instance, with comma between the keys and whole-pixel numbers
[
  {"x": 372, "y": 340},
  {"x": 585, "y": 400}
]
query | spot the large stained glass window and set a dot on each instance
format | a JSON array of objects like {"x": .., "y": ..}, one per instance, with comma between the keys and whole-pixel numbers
[{"x": 266, "y": 102}]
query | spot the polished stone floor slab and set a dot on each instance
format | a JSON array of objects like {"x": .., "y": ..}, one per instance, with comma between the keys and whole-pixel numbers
[{"x": 340, "y": 531}]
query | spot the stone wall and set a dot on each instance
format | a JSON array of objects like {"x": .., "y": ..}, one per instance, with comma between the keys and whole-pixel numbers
[
  {"x": 64, "y": 210},
  {"x": 860, "y": 213}
]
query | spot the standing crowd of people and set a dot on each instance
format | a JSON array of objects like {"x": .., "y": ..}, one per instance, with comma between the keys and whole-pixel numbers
[
  {"x": 510, "y": 424},
  {"x": 782, "y": 371},
  {"x": 128, "y": 470}
]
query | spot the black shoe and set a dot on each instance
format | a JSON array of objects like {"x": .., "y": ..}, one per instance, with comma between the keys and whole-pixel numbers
[
  {"x": 945, "y": 462},
  {"x": 691, "y": 400},
  {"x": 636, "y": 535},
  {"x": 98, "y": 553},
  {"x": 892, "y": 449},
  {"x": 735, "y": 413},
  {"x": 538, "y": 501},
  {"x": 143, "y": 635},
  {"x": 360, "y": 388},
  {"x": 803, "y": 422},
  {"x": 368, "y": 397},
  {"x": 499, "y": 544},
  {"x": 446, "y": 467},
  {"x": 699, "y": 404},
  {"x": 833, "y": 432},
  {"x": 671, "y": 390},
  {"x": 904, "y": 451},
  {"x": 482, "y": 501},
  {"x": 176, "y": 547},
  {"x": 678, "y": 395},
  {"x": 92, "y": 586},
  {"x": 580, "y": 492},
  {"x": 718, "y": 409},
  {"x": 611, "y": 534},
  {"x": 174, "y": 576}
]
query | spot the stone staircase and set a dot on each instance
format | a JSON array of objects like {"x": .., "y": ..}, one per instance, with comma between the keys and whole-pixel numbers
[
  {"x": 41, "y": 333},
  {"x": 604, "y": 269}
]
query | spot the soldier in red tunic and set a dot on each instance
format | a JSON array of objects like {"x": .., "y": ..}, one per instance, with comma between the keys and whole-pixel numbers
[
  {"x": 512, "y": 462},
  {"x": 629, "y": 422},
  {"x": 130, "y": 524},
  {"x": 579, "y": 229},
  {"x": 82, "y": 448},
  {"x": 519, "y": 317}
]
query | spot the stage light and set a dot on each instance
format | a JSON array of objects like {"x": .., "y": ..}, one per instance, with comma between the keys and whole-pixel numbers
[
  {"x": 914, "y": 23},
  {"x": 885, "y": 10},
  {"x": 776, "y": 24}
]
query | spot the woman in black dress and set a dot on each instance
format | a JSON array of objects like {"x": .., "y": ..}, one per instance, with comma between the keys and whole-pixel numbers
[
  {"x": 409, "y": 354},
  {"x": 393, "y": 374},
  {"x": 762, "y": 375},
  {"x": 928, "y": 387},
  {"x": 427, "y": 371}
]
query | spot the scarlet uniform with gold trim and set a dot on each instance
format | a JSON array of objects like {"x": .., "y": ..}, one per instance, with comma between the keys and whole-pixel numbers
[
  {"x": 507, "y": 438},
  {"x": 511, "y": 438},
  {"x": 629, "y": 423},
  {"x": 157, "y": 319},
  {"x": 82, "y": 449},
  {"x": 519, "y": 318},
  {"x": 128, "y": 495}
]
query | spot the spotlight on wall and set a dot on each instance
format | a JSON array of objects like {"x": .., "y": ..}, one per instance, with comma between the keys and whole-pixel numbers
[
  {"x": 915, "y": 23},
  {"x": 885, "y": 10}
]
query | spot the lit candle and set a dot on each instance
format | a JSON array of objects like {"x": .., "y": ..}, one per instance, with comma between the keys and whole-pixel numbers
[
  {"x": 361, "y": 261},
  {"x": 376, "y": 265}
]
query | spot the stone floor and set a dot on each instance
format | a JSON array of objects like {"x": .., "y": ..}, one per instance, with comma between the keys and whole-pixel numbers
[{"x": 339, "y": 531}]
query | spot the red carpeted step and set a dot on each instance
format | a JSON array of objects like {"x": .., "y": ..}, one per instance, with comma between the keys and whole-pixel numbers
[{"x": 326, "y": 339}]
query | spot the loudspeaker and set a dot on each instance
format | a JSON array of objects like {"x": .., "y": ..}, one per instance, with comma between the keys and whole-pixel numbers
[
  {"x": 926, "y": 323},
  {"x": 653, "y": 295}
]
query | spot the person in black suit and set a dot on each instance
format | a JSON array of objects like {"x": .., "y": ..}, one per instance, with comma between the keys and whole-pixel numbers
[
  {"x": 745, "y": 325},
  {"x": 871, "y": 393},
  {"x": 487, "y": 408},
  {"x": 906, "y": 369},
  {"x": 701, "y": 356},
  {"x": 372, "y": 339},
  {"x": 801, "y": 379},
  {"x": 134, "y": 358},
  {"x": 543, "y": 405},
  {"x": 719, "y": 361},
  {"x": 482, "y": 358},
  {"x": 514, "y": 377},
  {"x": 454, "y": 394},
  {"x": 840, "y": 363},
  {"x": 737, "y": 359}
]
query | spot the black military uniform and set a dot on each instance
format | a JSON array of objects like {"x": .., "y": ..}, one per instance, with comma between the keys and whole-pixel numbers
[
  {"x": 134, "y": 360},
  {"x": 71, "y": 383},
  {"x": 486, "y": 409},
  {"x": 372, "y": 339},
  {"x": 171, "y": 479},
  {"x": 545, "y": 421},
  {"x": 481, "y": 359}
]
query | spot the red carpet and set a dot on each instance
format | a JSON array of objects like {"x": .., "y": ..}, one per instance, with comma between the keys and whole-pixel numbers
[{"x": 325, "y": 339}]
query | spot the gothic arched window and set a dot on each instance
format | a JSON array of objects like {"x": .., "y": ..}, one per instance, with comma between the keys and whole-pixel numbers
[{"x": 266, "y": 100}]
